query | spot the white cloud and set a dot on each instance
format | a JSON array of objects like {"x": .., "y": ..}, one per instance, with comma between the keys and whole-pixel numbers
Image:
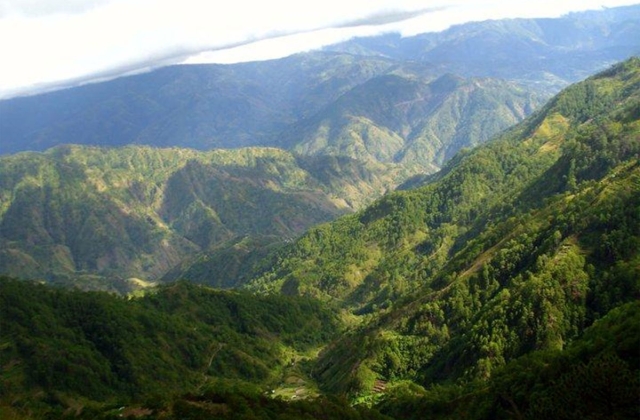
[
  {"x": 51, "y": 43},
  {"x": 36, "y": 8}
]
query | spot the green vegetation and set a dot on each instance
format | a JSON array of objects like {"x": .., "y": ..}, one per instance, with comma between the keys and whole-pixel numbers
[
  {"x": 418, "y": 122},
  {"x": 595, "y": 377},
  {"x": 94, "y": 217},
  {"x": 232, "y": 402},
  {"x": 60, "y": 348},
  {"x": 228, "y": 265},
  {"x": 514, "y": 247},
  {"x": 504, "y": 286}
]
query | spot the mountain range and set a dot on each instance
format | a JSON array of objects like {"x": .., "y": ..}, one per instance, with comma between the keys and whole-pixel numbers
[
  {"x": 377, "y": 98},
  {"x": 545, "y": 53},
  {"x": 77, "y": 212},
  {"x": 317, "y": 103},
  {"x": 360, "y": 119},
  {"x": 499, "y": 281},
  {"x": 506, "y": 283}
]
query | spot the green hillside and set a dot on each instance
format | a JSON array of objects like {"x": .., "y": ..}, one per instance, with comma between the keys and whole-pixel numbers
[
  {"x": 63, "y": 348},
  {"x": 417, "y": 122},
  {"x": 515, "y": 246},
  {"x": 228, "y": 265},
  {"x": 96, "y": 217},
  {"x": 595, "y": 376}
]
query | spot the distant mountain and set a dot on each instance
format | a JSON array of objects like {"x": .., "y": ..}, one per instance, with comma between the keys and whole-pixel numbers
[
  {"x": 379, "y": 98},
  {"x": 86, "y": 214},
  {"x": 313, "y": 104},
  {"x": 514, "y": 247},
  {"x": 547, "y": 53},
  {"x": 394, "y": 118},
  {"x": 201, "y": 107}
]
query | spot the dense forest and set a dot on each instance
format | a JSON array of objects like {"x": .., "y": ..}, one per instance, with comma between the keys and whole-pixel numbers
[
  {"x": 60, "y": 347},
  {"x": 191, "y": 352}
]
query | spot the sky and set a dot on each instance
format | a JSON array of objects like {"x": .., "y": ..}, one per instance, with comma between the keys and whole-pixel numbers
[{"x": 49, "y": 44}]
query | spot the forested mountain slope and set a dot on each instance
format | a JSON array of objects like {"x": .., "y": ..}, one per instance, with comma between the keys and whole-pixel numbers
[
  {"x": 418, "y": 123},
  {"x": 94, "y": 215},
  {"x": 61, "y": 348},
  {"x": 515, "y": 246},
  {"x": 594, "y": 376}
]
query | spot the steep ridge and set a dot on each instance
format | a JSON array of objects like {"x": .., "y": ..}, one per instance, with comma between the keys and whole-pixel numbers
[
  {"x": 515, "y": 246},
  {"x": 90, "y": 215},
  {"x": 415, "y": 122}
]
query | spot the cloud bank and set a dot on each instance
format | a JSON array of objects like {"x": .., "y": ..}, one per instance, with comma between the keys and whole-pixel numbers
[{"x": 49, "y": 44}]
